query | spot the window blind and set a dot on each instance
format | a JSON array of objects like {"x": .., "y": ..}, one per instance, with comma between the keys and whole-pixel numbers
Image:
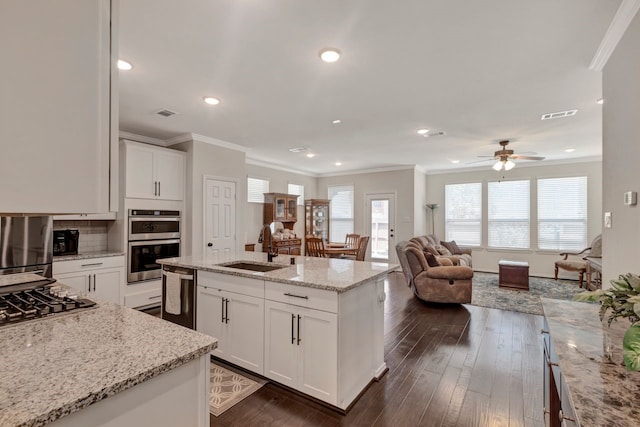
[
  {"x": 256, "y": 188},
  {"x": 463, "y": 213},
  {"x": 508, "y": 214},
  {"x": 297, "y": 190},
  {"x": 562, "y": 213},
  {"x": 341, "y": 209}
]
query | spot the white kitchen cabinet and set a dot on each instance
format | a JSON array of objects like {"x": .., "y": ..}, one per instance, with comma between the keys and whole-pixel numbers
[
  {"x": 108, "y": 216},
  {"x": 234, "y": 314},
  {"x": 56, "y": 108},
  {"x": 154, "y": 172},
  {"x": 97, "y": 277},
  {"x": 301, "y": 349}
]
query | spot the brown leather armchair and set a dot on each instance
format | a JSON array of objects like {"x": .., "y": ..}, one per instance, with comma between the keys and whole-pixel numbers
[{"x": 445, "y": 284}]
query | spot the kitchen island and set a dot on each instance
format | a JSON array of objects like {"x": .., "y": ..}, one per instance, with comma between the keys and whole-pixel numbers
[
  {"x": 104, "y": 366},
  {"x": 316, "y": 326},
  {"x": 586, "y": 382}
]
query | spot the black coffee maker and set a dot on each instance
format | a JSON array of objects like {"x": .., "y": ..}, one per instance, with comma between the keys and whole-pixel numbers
[{"x": 65, "y": 242}]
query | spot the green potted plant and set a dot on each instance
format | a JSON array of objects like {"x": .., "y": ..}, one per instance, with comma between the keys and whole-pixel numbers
[{"x": 621, "y": 300}]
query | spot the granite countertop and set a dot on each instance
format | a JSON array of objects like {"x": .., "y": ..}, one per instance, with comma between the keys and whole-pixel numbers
[
  {"x": 333, "y": 274},
  {"x": 603, "y": 392},
  {"x": 57, "y": 365},
  {"x": 88, "y": 255}
]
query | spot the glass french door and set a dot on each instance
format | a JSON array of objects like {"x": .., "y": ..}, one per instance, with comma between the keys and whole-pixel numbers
[{"x": 380, "y": 222}]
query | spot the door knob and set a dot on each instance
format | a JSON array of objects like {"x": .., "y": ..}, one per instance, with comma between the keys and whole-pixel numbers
[{"x": 209, "y": 244}]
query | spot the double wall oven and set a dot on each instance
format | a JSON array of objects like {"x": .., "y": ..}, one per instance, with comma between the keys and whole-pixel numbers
[{"x": 153, "y": 235}]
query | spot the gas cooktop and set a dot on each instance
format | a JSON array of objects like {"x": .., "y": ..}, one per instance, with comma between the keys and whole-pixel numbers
[{"x": 37, "y": 299}]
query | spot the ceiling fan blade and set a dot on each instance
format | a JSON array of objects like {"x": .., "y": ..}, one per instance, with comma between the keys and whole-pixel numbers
[
  {"x": 479, "y": 161},
  {"x": 519, "y": 157},
  {"x": 492, "y": 157}
]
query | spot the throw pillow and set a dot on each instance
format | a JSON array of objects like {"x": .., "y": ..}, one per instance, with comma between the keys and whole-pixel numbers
[
  {"x": 442, "y": 250},
  {"x": 453, "y": 247},
  {"x": 431, "y": 249},
  {"x": 431, "y": 259}
]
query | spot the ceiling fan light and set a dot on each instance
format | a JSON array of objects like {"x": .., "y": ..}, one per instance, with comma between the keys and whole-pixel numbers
[
  {"x": 498, "y": 165},
  {"x": 508, "y": 165}
]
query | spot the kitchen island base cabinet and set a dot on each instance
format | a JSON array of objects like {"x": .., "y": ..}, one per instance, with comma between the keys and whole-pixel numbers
[
  {"x": 235, "y": 319},
  {"x": 301, "y": 349},
  {"x": 179, "y": 397}
]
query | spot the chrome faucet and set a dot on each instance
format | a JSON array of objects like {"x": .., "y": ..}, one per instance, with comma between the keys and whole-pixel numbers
[{"x": 270, "y": 254}]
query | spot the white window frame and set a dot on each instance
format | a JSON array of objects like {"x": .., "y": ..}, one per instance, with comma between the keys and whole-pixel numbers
[
  {"x": 252, "y": 195},
  {"x": 450, "y": 234},
  {"x": 503, "y": 198},
  {"x": 337, "y": 220},
  {"x": 298, "y": 191}
]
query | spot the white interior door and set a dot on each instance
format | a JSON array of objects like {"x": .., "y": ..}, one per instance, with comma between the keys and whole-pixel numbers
[
  {"x": 380, "y": 224},
  {"x": 219, "y": 216}
]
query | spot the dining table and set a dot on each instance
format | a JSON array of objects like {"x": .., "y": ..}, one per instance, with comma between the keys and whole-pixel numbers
[{"x": 336, "y": 250}]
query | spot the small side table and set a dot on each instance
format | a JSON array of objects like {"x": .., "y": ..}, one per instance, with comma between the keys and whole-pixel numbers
[{"x": 513, "y": 274}]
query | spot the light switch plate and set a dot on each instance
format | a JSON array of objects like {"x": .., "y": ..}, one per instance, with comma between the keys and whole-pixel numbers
[{"x": 607, "y": 220}]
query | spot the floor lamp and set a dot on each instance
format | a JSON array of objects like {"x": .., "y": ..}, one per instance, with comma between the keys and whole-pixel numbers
[{"x": 432, "y": 206}]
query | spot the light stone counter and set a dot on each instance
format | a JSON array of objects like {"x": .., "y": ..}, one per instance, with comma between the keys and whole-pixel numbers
[
  {"x": 58, "y": 365},
  {"x": 602, "y": 391},
  {"x": 87, "y": 255},
  {"x": 333, "y": 274}
]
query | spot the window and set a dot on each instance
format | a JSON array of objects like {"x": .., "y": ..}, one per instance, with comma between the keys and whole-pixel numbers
[
  {"x": 341, "y": 209},
  {"x": 297, "y": 190},
  {"x": 562, "y": 213},
  {"x": 463, "y": 213},
  {"x": 256, "y": 188},
  {"x": 508, "y": 214}
]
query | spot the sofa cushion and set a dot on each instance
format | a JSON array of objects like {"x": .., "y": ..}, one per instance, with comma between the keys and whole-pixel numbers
[
  {"x": 442, "y": 250},
  {"x": 431, "y": 259},
  {"x": 453, "y": 247}
]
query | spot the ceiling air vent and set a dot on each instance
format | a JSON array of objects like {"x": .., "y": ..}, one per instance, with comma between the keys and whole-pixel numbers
[
  {"x": 166, "y": 113},
  {"x": 432, "y": 134},
  {"x": 298, "y": 149},
  {"x": 558, "y": 115}
]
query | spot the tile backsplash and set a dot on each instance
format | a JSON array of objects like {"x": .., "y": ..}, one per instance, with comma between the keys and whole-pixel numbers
[{"x": 93, "y": 234}]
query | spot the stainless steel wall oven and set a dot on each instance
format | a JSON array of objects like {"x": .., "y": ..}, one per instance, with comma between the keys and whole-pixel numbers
[{"x": 153, "y": 235}]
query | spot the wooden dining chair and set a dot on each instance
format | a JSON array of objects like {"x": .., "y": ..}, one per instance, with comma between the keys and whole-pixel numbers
[
  {"x": 362, "y": 250},
  {"x": 314, "y": 246}
]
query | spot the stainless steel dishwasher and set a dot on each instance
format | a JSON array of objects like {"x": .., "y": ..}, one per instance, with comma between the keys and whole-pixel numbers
[{"x": 180, "y": 310}]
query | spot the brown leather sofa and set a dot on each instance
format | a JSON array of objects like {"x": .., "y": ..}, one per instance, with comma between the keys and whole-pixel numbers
[
  {"x": 440, "y": 250},
  {"x": 444, "y": 284}
]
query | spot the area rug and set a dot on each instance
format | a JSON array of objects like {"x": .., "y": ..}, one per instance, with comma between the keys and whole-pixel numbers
[
  {"x": 486, "y": 293},
  {"x": 229, "y": 388}
]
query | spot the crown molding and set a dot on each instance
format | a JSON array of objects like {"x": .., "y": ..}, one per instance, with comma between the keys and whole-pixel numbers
[
  {"x": 206, "y": 139},
  {"x": 619, "y": 24},
  {"x": 141, "y": 138},
  {"x": 371, "y": 170},
  {"x": 262, "y": 163},
  {"x": 486, "y": 168}
]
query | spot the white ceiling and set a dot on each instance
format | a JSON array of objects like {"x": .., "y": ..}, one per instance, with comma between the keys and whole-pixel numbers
[{"x": 480, "y": 71}]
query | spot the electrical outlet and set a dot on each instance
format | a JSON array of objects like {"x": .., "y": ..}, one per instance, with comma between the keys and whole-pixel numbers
[{"x": 607, "y": 220}]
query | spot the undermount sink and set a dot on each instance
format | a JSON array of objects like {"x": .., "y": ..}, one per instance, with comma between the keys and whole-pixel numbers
[{"x": 253, "y": 267}]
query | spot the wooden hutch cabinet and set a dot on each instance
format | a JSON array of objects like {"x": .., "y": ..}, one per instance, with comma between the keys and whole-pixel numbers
[
  {"x": 280, "y": 207},
  {"x": 316, "y": 218}
]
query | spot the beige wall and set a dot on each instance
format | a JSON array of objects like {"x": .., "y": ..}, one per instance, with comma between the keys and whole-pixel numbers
[
  {"x": 204, "y": 159},
  {"x": 420, "y": 217},
  {"x": 399, "y": 182},
  {"x": 621, "y": 153},
  {"x": 541, "y": 263},
  {"x": 278, "y": 183}
]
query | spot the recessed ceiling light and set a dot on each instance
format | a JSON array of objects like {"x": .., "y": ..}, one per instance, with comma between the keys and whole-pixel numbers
[
  {"x": 124, "y": 65},
  {"x": 310, "y": 155},
  {"x": 600, "y": 101},
  {"x": 337, "y": 121},
  {"x": 330, "y": 54},
  {"x": 455, "y": 162},
  {"x": 423, "y": 131},
  {"x": 570, "y": 150},
  {"x": 338, "y": 164},
  {"x": 211, "y": 100}
]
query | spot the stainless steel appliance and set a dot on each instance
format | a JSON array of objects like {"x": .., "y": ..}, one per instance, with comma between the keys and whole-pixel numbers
[
  {"x": 187, "y": 301},
  {"x": 37, "y": 298},
  {"x": 65, "y": 242},
  {"x": 26, "y": 245},
  {"x": 153, "y": 235}
]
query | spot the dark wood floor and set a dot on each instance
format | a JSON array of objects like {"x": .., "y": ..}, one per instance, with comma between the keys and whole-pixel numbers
[{"x": 448, "y": 366}]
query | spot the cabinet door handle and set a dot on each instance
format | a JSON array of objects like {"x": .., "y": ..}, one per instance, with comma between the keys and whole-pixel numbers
[
  {"x": 293, "y": 318},
  {"x": 296, "y": 296},
  {"x": 89, "y": 283},
  {"x": 222, "y": 311},
  {"x": 94, "y": 283},
  {"x": 226, "y": 307},
  {"x": 299, "y": 330},
  {"x": 159, "y": 192},
  {"x": 155, "y": 297},
  {"x": 93, "y": 264}
]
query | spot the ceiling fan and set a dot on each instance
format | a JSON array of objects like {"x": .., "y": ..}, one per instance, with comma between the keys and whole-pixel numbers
[{"x": 505, "y": 157}]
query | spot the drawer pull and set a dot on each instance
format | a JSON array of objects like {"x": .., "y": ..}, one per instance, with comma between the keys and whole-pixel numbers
[
  {"x": 563, "y": 417},
  {"x": 542, "y": 331},
  {"x": 156, "y": 296},
  {"x": 92, "y": 264},
  {"x": 296, "y": 296}
]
